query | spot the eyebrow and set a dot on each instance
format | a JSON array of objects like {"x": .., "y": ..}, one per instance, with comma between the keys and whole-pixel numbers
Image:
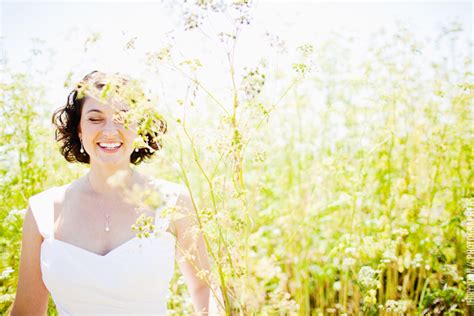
[
  {"x": 94, "y": 110},
  {"x": 99, "y": 111}
]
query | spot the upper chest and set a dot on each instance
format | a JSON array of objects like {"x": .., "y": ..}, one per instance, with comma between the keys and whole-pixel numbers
[{"x": 82, "y": 221}]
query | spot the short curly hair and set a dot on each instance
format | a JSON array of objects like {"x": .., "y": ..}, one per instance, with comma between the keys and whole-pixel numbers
[{"x": 67, "y": 119}]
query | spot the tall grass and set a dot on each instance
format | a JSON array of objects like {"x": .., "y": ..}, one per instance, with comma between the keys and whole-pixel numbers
[{"x": 338, "y": 192}]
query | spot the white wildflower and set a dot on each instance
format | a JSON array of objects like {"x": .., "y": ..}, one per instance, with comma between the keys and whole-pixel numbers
[
  {"x": 389, "y": 254},
  {"x": 418, "y": 260},
  {"x": 350, "y": 250},
  {"x": 5, "y": 273},
  {"x": 400, "y": 306},
  {"x": 13, "y": 214},
  {"x": 347, "y": 262},
  {"x": 367, "y": 277}
]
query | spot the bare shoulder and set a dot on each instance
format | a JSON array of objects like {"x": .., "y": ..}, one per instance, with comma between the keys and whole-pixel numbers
[{"x": 30, "y": 229}]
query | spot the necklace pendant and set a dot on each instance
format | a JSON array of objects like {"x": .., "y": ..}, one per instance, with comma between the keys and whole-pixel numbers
[{"x": 107, "y": 227}]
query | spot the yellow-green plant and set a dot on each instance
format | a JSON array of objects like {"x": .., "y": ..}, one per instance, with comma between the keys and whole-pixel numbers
[{"x": 337, "y": 193}]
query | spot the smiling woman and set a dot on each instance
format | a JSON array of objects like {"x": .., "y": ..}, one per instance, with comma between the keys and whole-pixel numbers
[
  {"x": 87, "y": 99},
  {"x": 79, "y": 240}
]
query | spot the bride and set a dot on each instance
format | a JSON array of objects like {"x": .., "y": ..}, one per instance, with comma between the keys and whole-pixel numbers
[{"x": 94, "y": 244}]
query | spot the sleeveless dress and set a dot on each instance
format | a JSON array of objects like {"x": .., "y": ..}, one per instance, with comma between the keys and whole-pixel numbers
[{"x": 131, "y": 279}]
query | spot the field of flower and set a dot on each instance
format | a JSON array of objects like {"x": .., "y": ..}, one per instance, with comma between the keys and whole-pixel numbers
[{"x": 332, "y": 182}]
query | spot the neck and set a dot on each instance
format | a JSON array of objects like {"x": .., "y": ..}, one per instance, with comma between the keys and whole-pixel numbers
[{"x": 110, "y": 182}]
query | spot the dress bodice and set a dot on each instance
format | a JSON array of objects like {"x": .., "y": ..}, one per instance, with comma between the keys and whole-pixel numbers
[{"x": 131, "y": 279}]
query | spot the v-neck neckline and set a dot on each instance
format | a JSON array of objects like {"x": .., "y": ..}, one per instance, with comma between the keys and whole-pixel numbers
[
  {"x": 116, "y": 249},
  {"x": 53, "y": 239},
  {"x": 94, "y": 253}
]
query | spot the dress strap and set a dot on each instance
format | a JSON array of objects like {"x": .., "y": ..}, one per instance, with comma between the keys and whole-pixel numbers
[
  {"x": 42, "y": 207},
  {"x": 169, "y": 192}
]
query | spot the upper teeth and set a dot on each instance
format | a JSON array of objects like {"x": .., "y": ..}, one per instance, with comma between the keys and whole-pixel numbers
[{"x": 110, "y": 145}]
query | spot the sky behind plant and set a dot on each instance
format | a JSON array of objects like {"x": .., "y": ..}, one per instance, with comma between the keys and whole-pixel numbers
[{"x": 66, "y": 27}]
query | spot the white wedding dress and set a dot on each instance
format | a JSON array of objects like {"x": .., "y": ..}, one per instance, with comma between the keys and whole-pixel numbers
[{"x": 131, "y": 279}]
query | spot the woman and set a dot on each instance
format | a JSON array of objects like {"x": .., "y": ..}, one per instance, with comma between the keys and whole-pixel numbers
[{"x": 79, "y": 240}]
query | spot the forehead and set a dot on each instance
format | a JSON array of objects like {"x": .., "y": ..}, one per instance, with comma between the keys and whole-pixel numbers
[{"x": 91, "y": 103}]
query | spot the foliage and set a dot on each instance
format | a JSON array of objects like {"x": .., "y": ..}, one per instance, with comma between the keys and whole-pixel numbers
[{"x": 340, "y": 192}]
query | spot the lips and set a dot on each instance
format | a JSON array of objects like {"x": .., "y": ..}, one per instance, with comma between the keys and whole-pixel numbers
[{"x": 109, "y": 147}]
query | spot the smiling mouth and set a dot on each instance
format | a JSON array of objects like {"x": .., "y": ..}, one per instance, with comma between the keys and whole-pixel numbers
[{"x": 109, "y": 147}]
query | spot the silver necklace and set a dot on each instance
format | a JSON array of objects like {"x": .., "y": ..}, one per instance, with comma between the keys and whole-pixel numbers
[{"x": 107, "y": 216}]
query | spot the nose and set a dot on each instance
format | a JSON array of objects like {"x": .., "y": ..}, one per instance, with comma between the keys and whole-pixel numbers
[{"x": 111, "y": 127}]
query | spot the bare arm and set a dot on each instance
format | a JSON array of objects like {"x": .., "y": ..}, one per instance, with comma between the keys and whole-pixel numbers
[
  {"x": 31, "y": 295},
  {"x": 192, "y": 255}
]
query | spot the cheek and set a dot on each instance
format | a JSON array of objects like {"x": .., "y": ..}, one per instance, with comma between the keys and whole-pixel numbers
[
  {"x": 130, "y": 136},
  {"x": 88, "y": 130}
]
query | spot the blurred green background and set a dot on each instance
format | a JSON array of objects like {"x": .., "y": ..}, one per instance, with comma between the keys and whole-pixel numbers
[{"x": 331, "y": 171}]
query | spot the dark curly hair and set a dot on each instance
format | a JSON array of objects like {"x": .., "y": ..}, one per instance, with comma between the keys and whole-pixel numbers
[{"x": 67, "y": 119}]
